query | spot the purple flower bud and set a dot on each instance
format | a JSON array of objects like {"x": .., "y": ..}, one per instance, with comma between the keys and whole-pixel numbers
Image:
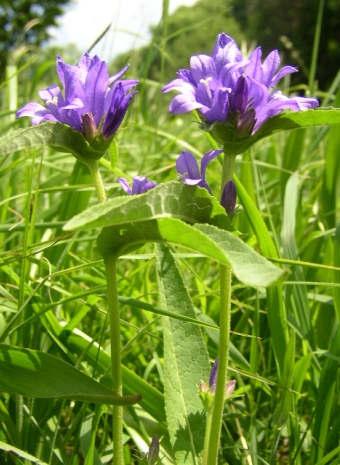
[
  {"x": 89, "y": 126},
  {"x": 228, "y": 200},
  {"x": 245, "y": 123},
  {"x": 153, "y": 451},
  {"x": 140, "y": 184},
  {"x": 213, "y": 376},
  {"x": 230, "y": 386},
  {"x": 239, "y": 99}
]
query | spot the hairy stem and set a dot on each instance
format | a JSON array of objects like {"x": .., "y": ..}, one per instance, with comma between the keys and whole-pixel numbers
[
  {"x": 97, "y": 180},
  {"x": 223, "y": 351},
  {"x": 207, "y": 436},
  {"x": 117, "y": 386}
]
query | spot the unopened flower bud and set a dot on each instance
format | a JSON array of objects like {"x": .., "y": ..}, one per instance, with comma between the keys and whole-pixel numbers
[
  {"x": 228, "y": 200},
  {"x": 213, "y": 377},
  {"x": 245, "y": 123},
  {"x": 203, "y": 387},
  {"x": 239, "y": 100},
  {"x": 89, "y": 127},
  {"x": 153, "y": 451},
  {"x": 230, "y": 387}
]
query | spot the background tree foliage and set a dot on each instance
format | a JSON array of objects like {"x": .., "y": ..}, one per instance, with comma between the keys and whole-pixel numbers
[
  {"x": 26, "y": 22},
  {"x": 288, "y": 26},
  {"x": 189, "y": 30}
]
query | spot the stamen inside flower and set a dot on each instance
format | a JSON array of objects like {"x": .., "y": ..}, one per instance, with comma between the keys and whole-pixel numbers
[
  {"x": 54, "y": 101},
  {"x": 205, "y": 82}
]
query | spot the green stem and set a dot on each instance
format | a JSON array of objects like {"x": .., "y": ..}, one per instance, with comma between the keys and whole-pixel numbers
[
  {"x": 214, "y": 434},
  {"x": 97, "y": 179},
  {"x": 112, "y": 293},
  {"x": 117, "y": 385},
  {"x": 223, "y": 353},
  {"x": 227, "y": 169},
  {"x": 207, "y": 437}
]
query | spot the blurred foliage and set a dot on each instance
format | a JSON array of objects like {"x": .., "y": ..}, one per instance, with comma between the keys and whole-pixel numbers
[
  {"x": 290, "y": 27},
  {"x": 188, "y": 31},
  {"x": 24, "y": 26},
  {"x": 287, "y": 26}
]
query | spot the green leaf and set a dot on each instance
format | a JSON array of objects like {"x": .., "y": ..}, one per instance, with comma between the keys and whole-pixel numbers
[
  {"x": 173, "y": 199},
  {"x": 152, "y": 400},
  {"x": 186, "y": 363},
  {"x": 58, "y": 136},
  {"x": 222, "y": 246},
  {"x": 276, "y": 311},
  {"x": 113, "y": 153},
  {"x": 36, "y": 374},
  {"x": 20, "y": 453},
  {"x": 281, "y": 415},
  {"x": 336, "y": 273},
  {"x": 161, "y": 311},
  {"x": 326, "y": 401},
  {"x": 284, "y": 122}
]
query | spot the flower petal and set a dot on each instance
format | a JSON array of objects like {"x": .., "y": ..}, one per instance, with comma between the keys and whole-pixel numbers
[
  {"x": 181, "y": 104},
  {"x": 207, "y": 157},
  {"x": 125, "y": 185},
  {"x": 269, "y": 67},
  {"x": 202, "y": 67},
  {"x": 187, "y": 167}
]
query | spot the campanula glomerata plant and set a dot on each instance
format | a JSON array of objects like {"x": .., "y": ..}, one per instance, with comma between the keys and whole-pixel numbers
[{"x": 179, "y": 419}]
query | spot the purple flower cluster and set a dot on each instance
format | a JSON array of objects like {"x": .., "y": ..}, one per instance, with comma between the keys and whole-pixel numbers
[
  {"x": 88, "y": 105},
  {"x": 226, "y": 88}
]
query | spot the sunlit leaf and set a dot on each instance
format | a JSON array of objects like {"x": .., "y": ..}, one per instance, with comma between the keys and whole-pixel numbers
[
  {"x": 183, "y": 369},
  {"x": 219, "y": 245},
  {"x": 58, "y": 136},
  {"x": 173, "y": 199},
  {"x": 284, "y": 122}
]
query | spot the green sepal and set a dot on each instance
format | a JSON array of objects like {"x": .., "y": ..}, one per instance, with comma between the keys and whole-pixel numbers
[{"x": 207, "y": 399}]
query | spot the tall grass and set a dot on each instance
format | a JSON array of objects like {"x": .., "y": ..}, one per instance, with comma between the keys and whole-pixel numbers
[{"x": 54, "y": 299}]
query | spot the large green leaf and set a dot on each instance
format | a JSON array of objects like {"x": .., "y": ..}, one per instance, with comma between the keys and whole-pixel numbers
[
  {"x": 219, "y": 245},
  {"x": 58, "y": 136},
  {"x": 186, "y": 363},
  {"x": 173, "y": 199},
  {"x": 36, "y": 374}
]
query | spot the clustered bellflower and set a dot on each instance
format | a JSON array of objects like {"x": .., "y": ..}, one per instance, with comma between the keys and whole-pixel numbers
[
  {"x": 228, "y": 89},
  {"x": 89, "y": 105}
]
